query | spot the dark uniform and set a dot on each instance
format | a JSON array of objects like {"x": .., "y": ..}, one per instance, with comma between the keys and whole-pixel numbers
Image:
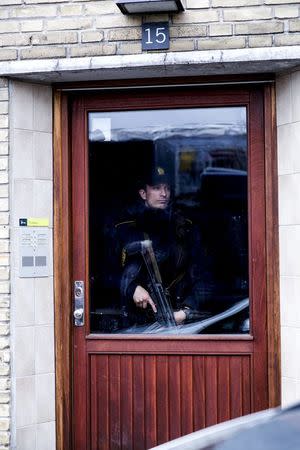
[{"x": 171, "y": 236}]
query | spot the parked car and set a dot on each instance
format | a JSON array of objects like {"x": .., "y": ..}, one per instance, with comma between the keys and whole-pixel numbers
[{"x": 272, "y": 429}]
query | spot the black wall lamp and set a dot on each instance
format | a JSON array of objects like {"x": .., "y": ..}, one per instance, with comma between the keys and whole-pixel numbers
[{"x": 150, "y": 6}]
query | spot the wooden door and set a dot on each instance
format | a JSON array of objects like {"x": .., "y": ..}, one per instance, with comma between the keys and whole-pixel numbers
[{"x": 135, "y": 391}]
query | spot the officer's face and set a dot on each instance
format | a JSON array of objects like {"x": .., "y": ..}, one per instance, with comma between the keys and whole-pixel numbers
[{"x": 157, "y": 196}]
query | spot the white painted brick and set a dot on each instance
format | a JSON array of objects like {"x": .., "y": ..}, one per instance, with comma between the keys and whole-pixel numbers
[
  {"x": 4, "y": 220},
  {"x": 11, "y": 2},
  {"x": 32, "y": 12},
  {"x": 259, "y": 28},
  {"x": 294, "y": 25},
  {"x": 4, "y": 370},
  {"x": 3, "y": 135},
  {"x": 32, "y": 25},
  {"x": 3, "y": 121},
  {"x": 3, "y": 177},
  {"x": 93, "y": 50},
  {"x": 3, "y": 107},
  {"x": 4, "y": 289},
  {"x": 4, "y": 232},
  {"x": 73, "y": 23},
  {"x": 4, "y": 248},
  {"x": 188, "y": 31},
  {"x": 114, "y": 21},
  {"x": 286, "y": 39},
  {"x": 43, "y": 1},
  {"x": 4, "y": 343},
  {"x": 43, "y": 52},
  {"x": 4, "y": 400},
  {"x": 99, "y": 8},
  {"x": 128, "y": 48},
  {"x": 202, "y": 16},
  {"x": 237, "y": 3},
  {"x": 3, "y": 163},
  {"x": 4, "y": 259},
  {"x": 125, "y": 34},
  {"x": 4, "y": 204},
  {"x": 156, "y": 18},
  {"x": 4, "y": 438},
  {"x": 92, "y": 36},
  {"x": 284, "y": 12},
  {"x": 4, "y": 13},
  {"x": 195, "y": 4},
  {"x": 278, "y": 2},
  {"x": 14, "y": 40},
  {"x": 220, "y": 29},
  {"x": 4, "y": 357},
  {"x": 8, "y": 54},
  {"x": 183, "y": 45},
  {"x": 3, "y": 94},
  {"x": 255, "y": 13},
  {"x": 9, "y": 26},
  {"x": 260, "y": 41},
  {"x": 221, "y": 43},
  {"x": 59, "y": 37},
  {"x": 70, "y": 10},
  {"x": 4, "y": 424}
]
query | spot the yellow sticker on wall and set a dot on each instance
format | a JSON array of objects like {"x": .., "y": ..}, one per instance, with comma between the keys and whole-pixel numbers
[{"x": 38, "y": 222}]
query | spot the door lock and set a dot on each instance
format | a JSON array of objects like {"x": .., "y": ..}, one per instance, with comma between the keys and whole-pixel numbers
[{"x": 78, "y": 303}]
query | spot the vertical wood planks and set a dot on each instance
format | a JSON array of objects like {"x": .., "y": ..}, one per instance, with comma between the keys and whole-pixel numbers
[
  {"x": 199, "y": 393},
  {"x": 115, "y": 402},
  {"x": 162, "y": 394},
  {"x": 100, "y": 431},
  {"x": 139, "y": 425},
  {"x": 139, "y": 401},
  {"x": 223, "y": 388},
  {"x": 186, "y": 390},
  {"x": 174, "y": 397},
  {"x": 150, "y": 401},
  {"x": 211, "y": 380},
  {"x": 126, "y": 386}
]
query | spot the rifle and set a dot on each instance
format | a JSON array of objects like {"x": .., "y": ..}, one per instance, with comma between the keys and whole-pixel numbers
[{"x": 164, "y": 313}]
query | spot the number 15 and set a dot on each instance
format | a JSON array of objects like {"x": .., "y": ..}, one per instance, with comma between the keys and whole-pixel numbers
[{"x": 160, "y": 35}]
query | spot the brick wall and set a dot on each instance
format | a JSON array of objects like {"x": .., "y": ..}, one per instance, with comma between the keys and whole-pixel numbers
[
  {"x": 4, "y": 272},
  {"x": 34, "y": 29}
]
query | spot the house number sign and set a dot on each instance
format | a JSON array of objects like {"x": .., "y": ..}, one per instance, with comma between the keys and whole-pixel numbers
[{"x": 155, "y": 36}]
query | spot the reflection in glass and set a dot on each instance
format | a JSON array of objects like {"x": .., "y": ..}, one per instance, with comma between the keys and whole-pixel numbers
[{"x": 168, "y": 232}]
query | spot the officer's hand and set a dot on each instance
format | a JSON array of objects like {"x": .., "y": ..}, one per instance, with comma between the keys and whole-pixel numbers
[
  {"x": 179, "y": 316},
  {"x": 142, "y": 298}
]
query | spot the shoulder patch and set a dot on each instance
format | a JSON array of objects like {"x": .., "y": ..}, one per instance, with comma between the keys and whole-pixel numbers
[{"x": 123, "y": 257}]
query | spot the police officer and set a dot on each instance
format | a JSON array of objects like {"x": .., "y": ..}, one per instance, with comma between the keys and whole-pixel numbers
[{"x": 171, "y": 235}]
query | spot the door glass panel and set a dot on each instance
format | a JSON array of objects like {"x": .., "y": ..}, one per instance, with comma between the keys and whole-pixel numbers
[{"x": 168, "y": 229}]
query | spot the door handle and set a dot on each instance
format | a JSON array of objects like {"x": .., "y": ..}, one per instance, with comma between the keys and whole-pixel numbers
[{"x": 78, "y": 313}]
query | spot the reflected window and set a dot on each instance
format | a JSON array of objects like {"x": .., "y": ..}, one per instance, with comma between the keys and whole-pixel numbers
[{"x": 168, "y": 230}]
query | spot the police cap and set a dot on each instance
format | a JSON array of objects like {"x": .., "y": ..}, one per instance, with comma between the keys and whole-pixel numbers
[{"x": 156, "y": 175}]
